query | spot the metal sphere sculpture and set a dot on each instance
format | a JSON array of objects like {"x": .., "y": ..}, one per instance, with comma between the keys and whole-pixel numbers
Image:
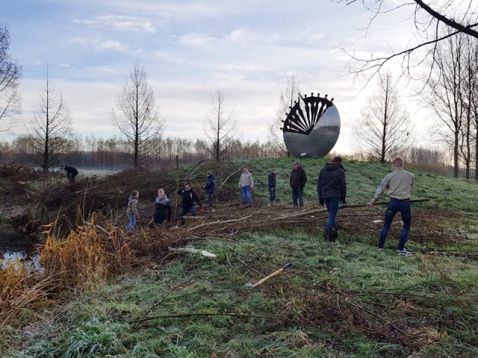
[{"x": 312, "y": 127}]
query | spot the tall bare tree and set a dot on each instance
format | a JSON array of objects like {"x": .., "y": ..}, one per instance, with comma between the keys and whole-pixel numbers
[
  {"x": 10, "y": 74},
  {"x": 435, "y": 21},
  {"x": 137, "y": 116},
  {"x": 384, "y": 129},
  {"x": 49, "y": 128},
  {"x": 286, "y": 101},
  {"x": 450, "y": 94},
  {"x": 220, "y": 128}
]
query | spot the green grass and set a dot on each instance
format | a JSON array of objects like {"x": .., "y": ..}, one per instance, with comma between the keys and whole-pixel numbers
[
  {"x": 362, "y": 182},
  {"x": 338, "y": 301},
  {"x": 342, "y": 300}
]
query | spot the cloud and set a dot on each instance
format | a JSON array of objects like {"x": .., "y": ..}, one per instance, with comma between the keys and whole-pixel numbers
[
  {"x": 119, "y": 23},
  {"x": 196, "y": 40},
  {"x": 100, "y": 45}
]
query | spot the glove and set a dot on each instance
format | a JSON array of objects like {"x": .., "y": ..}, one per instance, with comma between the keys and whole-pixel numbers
[
  {"x": 343, "y": 202},
  {"x": 138, "y": 217},
  {"x": 321, "y": 202},
  {"x": 201, "y": 211},
  {"x": 252, "y": 189}
]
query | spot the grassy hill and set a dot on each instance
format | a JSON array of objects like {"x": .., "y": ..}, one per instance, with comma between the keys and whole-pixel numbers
[{"x": 337, "y": 300}]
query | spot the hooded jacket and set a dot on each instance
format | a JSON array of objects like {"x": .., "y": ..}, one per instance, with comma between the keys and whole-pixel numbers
[
  {"x": 331, "y": 182},
  {"x": 132, "y": 208},
  {"x": 162, "y": 209},
  {"x": 211, "y": 184}
]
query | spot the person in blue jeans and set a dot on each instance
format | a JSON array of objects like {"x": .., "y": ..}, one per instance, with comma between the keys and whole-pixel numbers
[
  {"x": 246, "y": 185},
  {"x": 398, "y": 184},
  {"x": 132, "y": 210},
  {"x": 332, "y": 190}
]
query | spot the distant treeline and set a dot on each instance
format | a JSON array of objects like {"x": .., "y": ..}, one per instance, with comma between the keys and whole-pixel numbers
[{"x": 115, "y": 153}]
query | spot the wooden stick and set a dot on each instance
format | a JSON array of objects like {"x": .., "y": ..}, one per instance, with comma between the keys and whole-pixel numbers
[{"x": 220, "y": 222}]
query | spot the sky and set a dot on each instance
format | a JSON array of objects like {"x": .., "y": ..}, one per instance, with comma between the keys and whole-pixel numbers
[{"x": 190, "y": 50}]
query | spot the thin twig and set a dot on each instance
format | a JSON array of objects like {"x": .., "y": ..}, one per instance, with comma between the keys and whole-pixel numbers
[{"x": 205, "y": 314}]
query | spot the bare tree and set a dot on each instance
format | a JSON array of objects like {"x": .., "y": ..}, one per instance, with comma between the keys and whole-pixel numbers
[
  {"x": 220, "y": 128},
  {"x": 450, "y": 93},
  {"x": 384, "y": 129},
  {"x": 137, "y": 116},
  {"x": 468, "y": 101},
  {"x": 49, "y": 128},
  {"x": 10, "y": 74},
  {"x": 286, "y": 101},
  {"x": 434, "y": 22}
]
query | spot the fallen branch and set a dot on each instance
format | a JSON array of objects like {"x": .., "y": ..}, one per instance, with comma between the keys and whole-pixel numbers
[
  {"x": 192, "y": 251},
  {"x": 220, "y": 222}
]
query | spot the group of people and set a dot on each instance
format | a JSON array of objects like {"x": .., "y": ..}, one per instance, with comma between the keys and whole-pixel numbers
[
  {"x": 331, "y": 191},
  {"x": 162, "y": 205},
  {"x": 297, "y": 179}
]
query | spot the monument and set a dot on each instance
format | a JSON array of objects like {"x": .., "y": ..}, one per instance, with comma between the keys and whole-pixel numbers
[{"x": 312, "y": 127}]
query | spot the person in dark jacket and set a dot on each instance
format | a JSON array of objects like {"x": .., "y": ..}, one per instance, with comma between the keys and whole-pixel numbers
[
  {"x": 210, "y": 187},
  {"x": 272, "y": 186},
  {"x": 297, "y": 181},
  {"x": 332, "y": 190},
  {"x": 162, "y": 208},
  {"x": 71, "y": 173},
  {"x": 189, "y": 198}
]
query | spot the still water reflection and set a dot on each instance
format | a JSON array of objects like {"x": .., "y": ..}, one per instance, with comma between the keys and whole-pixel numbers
[{"x": 28, "y": 259}]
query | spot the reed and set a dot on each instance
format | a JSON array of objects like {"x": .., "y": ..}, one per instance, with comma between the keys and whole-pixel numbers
[
  {"x": 87, "y": 257},
  {"x": 82, "y": 261}
]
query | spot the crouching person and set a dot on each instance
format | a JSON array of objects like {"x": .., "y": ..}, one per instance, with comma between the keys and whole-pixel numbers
[
  {"x": 189, "y": 198},
  {"x": 162, "y": 208}
]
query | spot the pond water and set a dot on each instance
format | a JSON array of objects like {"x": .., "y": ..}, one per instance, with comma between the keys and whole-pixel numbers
[
  {"x": 29, "y": 259},
  {"x": 19, "y": 251}
]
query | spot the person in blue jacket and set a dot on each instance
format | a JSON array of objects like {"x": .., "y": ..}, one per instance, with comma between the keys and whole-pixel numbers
[{"x": 210, "y": 187}]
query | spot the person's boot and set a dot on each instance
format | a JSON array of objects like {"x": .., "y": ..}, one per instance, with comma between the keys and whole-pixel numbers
[
  {"x": 334, "y": 234},
  {"x": 327, "y": 234}
]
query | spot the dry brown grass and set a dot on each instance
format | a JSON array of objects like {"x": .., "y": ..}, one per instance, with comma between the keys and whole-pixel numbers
[
  {"x": 21, "y": 291},
  {"x": 86, "y": 257}
]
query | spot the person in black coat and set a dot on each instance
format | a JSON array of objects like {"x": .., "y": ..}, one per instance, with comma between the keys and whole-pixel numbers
[
  {"x": 271, "y": 178},
  {"x": 189, "y": 197},
  {"x": 332, "y": 190},
  {"x": 71, "y": 173},
  {"x": 297, "y": 181},
  {"x": 162, "y": 208}
]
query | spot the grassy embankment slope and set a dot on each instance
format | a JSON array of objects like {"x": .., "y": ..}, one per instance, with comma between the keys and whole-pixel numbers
[{"x": 342, "y": 300}]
